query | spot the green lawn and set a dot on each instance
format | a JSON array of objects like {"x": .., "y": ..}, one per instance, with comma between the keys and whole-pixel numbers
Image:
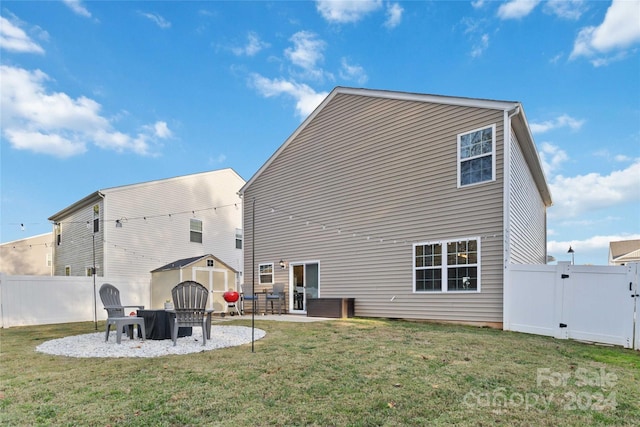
[{"x": 355, "y": 372}]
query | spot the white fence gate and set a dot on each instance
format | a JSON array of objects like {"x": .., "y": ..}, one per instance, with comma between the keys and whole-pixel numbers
[{"x": 590, "y": 303}]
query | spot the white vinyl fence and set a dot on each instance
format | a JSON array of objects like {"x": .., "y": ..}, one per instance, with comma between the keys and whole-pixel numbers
[
  {"x": 41, "y": 300},
  {"x": 589, "y": 303}
]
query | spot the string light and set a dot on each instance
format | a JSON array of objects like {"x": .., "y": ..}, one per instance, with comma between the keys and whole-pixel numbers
[
  {"x": 359, "y": 234},
  {"x": 272, "y": 209}
]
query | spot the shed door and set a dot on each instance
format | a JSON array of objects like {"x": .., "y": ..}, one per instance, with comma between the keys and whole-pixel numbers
[{"x": 214, "y": 279}]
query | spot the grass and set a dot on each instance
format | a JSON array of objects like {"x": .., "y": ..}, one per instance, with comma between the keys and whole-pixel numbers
[{"x": 355, "y": 372}]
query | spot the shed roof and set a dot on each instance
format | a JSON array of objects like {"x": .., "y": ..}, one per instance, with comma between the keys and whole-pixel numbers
[{"x": 185, "y": 262}]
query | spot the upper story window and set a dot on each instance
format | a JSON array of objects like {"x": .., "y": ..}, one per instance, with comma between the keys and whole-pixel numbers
[
  {"x": 451, "y": 266},
  {"x": 476, "y": 156},
  {"x": 238, "y": 238},
  {"x": 96, "y": 218},
  {"x": 195, "y": 230},
  {"x": 266, "y": 273}
]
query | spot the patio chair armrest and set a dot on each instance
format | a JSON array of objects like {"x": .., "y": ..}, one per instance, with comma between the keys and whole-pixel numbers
[{"x": 139, "y": 307}]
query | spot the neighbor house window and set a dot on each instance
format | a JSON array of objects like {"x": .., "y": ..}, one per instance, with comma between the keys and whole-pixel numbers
[
  {"x": 238, "y": 238},
  {"x": 266, "y": 273},
  {"x": 96, "y": 218},
  {"x": 195, "y": 230},
  {"x": 450, "y": 266},
  {"x": 476, "y": 156},
  {"x": 210, "y": 263}
]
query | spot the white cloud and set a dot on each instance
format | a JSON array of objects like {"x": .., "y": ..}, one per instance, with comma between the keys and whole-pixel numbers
[
  {"x": 562, "y": 121},
  {"x": 352, "y": 72},
  {"x": 480, "y": 46},
  {"x": 157, "y": 19},
  {"x": 573, "y": 196},
  {"x": 552, "y": 157},
  {"x": 253, "y": 46},
  {"x": 394, "y": 15},
  {"x": 621, "y": 158},
  {"x": 217, "y": 160},
  {"x": 595, "y": 247},
  {"x": 159, "y": 129},
  {"x": 345, "y": 11},
  {"x": 77, "y": 7},
  {"x": 58, "y": 125},
  {"x": 606, "y": 154},
  {"x": 14, "y": 38},
  {"x": 54, "y": 144},
  {"x": 477, "y": 4},
  {"x": 566, "y": 9},
  {"x": 619, "y": 30},
  {"x": 306, "y": 98},
  {"x": 307, "y": 52},
  {"x": 516, "y": 9}
]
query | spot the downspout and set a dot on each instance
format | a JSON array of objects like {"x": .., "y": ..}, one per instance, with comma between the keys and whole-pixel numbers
[
  {"x": 104, "y": 232},
  {"x": 506, "y": 277}
]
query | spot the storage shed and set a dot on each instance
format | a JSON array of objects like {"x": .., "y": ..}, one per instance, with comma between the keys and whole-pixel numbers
[{"x": 208, "y": 270}]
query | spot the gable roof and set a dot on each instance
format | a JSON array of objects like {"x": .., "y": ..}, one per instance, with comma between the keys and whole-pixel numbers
[
  {"x": 626, "y": 249},
  {"x": 100, "y": 194},
  {"x": 513, "y": 108},
  {"x": 185, "y": 262}
]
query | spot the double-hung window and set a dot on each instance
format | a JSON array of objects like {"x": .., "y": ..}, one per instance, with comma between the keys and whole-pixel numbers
[
  {"x": 195, "y": 230},
  {"x": 450, "y": 266},
  {"x": 266, "y": 273},
  {"x": 476, "y": 156},
  {"x": 238, "y": 238}
]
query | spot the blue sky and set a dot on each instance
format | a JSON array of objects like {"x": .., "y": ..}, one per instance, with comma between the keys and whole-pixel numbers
[{"x": 102, "y": 94}]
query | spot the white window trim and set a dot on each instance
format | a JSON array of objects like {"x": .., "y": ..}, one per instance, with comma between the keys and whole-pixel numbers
[
  {"x": 493, "y": 155},
  {"x": 445, "y": 288},
  {"x": 192, "y": 230},
  {"x": 239, "y": 238},
  {"x": 260, "y": 282}
]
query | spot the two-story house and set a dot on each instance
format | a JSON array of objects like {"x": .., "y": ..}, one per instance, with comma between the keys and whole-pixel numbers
[
  {"x": 128, "y": 231},
  {"x": 412, "y": 204}
]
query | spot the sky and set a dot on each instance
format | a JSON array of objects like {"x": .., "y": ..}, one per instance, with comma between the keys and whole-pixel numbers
[{"x": 98, "y": 94}]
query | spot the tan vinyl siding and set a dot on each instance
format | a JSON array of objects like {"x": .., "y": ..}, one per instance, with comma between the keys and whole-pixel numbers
[
  {"x": 385, "y": 170},
  {"x": 31, "y": 256},
  {"x": 527, "y": 214}
]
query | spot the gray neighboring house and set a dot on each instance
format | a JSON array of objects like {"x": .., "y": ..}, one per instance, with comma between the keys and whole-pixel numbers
[
  {"x": 132, "y": 229},
  {"x": 412, "y": 204}
]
